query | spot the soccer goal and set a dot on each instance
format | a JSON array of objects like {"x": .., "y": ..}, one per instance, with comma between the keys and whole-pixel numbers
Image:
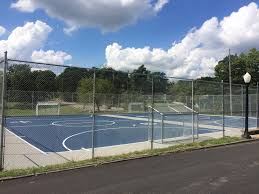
[
  {"x": 48, "y": 108},
  {"x": 172, "y": 122},
  {"x": 136, "y": 107}
]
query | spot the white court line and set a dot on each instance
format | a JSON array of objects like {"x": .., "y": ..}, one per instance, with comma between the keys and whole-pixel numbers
[
  {"x": 55, "y": 123},
  {"x": 172, "y": 122},
  {"x": 29, "y": 125},
  {"x": 226, "y": 116},
  {"x": 56, "y": 118},
  {"x": 26, "y": 142},
  {"x": 90, "y": 131}
]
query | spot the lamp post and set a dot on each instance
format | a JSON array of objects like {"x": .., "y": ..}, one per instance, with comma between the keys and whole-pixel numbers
[{"x": 247, "y": 79}]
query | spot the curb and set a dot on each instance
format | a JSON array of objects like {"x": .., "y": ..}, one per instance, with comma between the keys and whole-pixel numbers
[{"x": 128, "y": 159}]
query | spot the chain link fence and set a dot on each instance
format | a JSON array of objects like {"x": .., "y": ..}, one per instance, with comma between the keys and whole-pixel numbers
[
  {"x": 52, "y": 114},
  {"x": 2, "y": 72}
]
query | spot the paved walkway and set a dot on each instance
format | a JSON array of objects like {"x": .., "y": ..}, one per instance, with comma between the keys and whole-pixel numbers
[{"x": 232, "y": 169}]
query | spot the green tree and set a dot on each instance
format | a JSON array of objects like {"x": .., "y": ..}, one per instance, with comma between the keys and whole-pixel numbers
[
  {"x": 102, "y": 88},
  {"x": 68, "y": 80},
  {"x": 118, "y": 79},
  {"x": 19, "y": 77},
  {"x": 140, "y": 81},
  {"x": 240, "y": 64},
  {"x": 160, "y": 82},
  {"x": 44, "y": 80}
]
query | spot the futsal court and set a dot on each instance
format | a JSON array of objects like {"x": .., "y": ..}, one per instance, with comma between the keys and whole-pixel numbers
[{"x": 69, "y": 133}]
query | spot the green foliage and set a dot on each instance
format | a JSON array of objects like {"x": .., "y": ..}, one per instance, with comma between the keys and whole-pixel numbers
[
  {"x": 160, "y": 82},
  {"x": 239, "y": 66},
  {"x": 20, "y": 77},
  {"x": 44, "y": 80},
  {"x": 140, "y": 81},
  {"x": 85, "y": 89},
  {"x": 68, "y": 80}
]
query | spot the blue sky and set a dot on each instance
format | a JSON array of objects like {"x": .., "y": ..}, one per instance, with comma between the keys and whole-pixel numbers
[{"x": 87, "y": 44}]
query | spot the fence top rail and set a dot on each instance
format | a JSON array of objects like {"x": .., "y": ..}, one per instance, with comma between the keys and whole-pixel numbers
[
  {"x": 112, "y": 70},
  {"x": 40, "y": 63}
]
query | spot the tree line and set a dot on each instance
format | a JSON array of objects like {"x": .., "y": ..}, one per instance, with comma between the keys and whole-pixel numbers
[
  {"x": 73, "y": 79},
  {"x": 80, "y": 80}
]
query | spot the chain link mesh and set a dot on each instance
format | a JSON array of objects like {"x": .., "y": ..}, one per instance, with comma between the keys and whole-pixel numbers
[{"x": 56, "y": 114}]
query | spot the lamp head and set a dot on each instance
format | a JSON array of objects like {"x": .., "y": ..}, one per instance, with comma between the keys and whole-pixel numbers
[{"x": 247, "y": 78}]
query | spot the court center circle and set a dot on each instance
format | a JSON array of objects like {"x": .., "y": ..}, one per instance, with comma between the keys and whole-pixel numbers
[{"x": 82, "y": 123}]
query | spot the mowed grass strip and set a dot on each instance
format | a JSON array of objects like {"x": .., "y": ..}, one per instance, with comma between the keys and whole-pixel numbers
[{"x": 102, "y": 160}]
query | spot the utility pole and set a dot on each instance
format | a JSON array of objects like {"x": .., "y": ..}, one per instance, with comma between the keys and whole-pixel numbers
[{"x": 230, "y": 83}]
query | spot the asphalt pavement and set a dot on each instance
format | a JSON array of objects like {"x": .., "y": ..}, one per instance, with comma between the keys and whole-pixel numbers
[{"x": 229, "y": 169}]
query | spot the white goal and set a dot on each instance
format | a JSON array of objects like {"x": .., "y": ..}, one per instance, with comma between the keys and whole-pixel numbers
[
  {"x": 48, "y": 108},
  {"x": 136, "y": 107}
]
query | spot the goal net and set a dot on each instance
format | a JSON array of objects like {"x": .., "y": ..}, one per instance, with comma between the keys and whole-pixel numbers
[
  {"x": 48, "y": 108},
  {"x": 136, "y": 107},
  {"x": 172, "y": 122}
]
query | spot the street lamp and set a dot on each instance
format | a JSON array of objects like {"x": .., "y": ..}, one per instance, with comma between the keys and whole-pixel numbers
[{"x": 247, "y": 80}]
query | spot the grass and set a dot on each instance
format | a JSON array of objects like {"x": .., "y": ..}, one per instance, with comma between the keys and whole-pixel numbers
[
  {"x": 102, "y": 160},
  {"x": 64, "y": 110}
]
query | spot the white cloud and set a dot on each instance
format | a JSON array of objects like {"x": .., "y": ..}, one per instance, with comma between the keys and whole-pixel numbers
[
  {"x": 26, "y": 43},
  {"x": 51, "y": 56},
  {"x": 160, "y": 4},
  {"x": 199, "y": 51},
  {"x": 2, "y": 30},
  {"x": 24, "y": 5},
  {"x": 24, "y": 40},
  {"x": 107, "y": 15}
]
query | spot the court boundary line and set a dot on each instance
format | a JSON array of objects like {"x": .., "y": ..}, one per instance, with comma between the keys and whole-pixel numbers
[
  {"x": 90, "y": 131},
  {"x": 26, "y": 142}
]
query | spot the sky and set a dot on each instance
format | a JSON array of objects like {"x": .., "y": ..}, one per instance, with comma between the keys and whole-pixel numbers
[{"x": 183, "y": 38}]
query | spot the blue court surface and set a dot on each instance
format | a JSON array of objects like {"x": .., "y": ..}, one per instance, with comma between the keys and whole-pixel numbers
[{"x": 66, "y": 133}]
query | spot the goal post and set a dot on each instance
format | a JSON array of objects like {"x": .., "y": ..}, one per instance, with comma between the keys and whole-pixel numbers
[
  {"x": 47, "y": 108},
  {"x": 134, "y": 107}
]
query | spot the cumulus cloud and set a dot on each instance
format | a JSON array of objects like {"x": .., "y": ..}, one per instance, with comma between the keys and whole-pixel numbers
[
  {"x": 26, "y": 43},
  {"x": 199, "y": 51},
  {"x": 24, "y": 40},
  {"x": 106, "y": 15},
  {"x": 2, "y": 30},
  {"x": 160, "y": 4},
  {"x": 51, "y": 56},
  {"x": 24, "y": 5}
]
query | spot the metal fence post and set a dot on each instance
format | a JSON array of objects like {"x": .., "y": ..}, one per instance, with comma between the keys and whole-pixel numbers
[
  {"x": 32, "y": 100},
  {"x": 152, "y": 115},
  {"x": 93, "y": 124},
  {"x": 223, "y": 108},
  {"x": 192, "y": 111},
  {"x": 162, "y": 128},
  {"x": 3, "y": 103},
  {"x": 242, "y": 99},
  {"x": 257, "y": 104}
]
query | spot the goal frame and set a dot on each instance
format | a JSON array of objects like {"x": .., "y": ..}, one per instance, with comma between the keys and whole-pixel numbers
[
  {"x": 131, "y": 104},
  {"x": 47, "y": 104}
]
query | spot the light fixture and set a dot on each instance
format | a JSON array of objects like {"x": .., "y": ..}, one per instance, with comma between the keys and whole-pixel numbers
[{"x": 247, "y": 78}]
